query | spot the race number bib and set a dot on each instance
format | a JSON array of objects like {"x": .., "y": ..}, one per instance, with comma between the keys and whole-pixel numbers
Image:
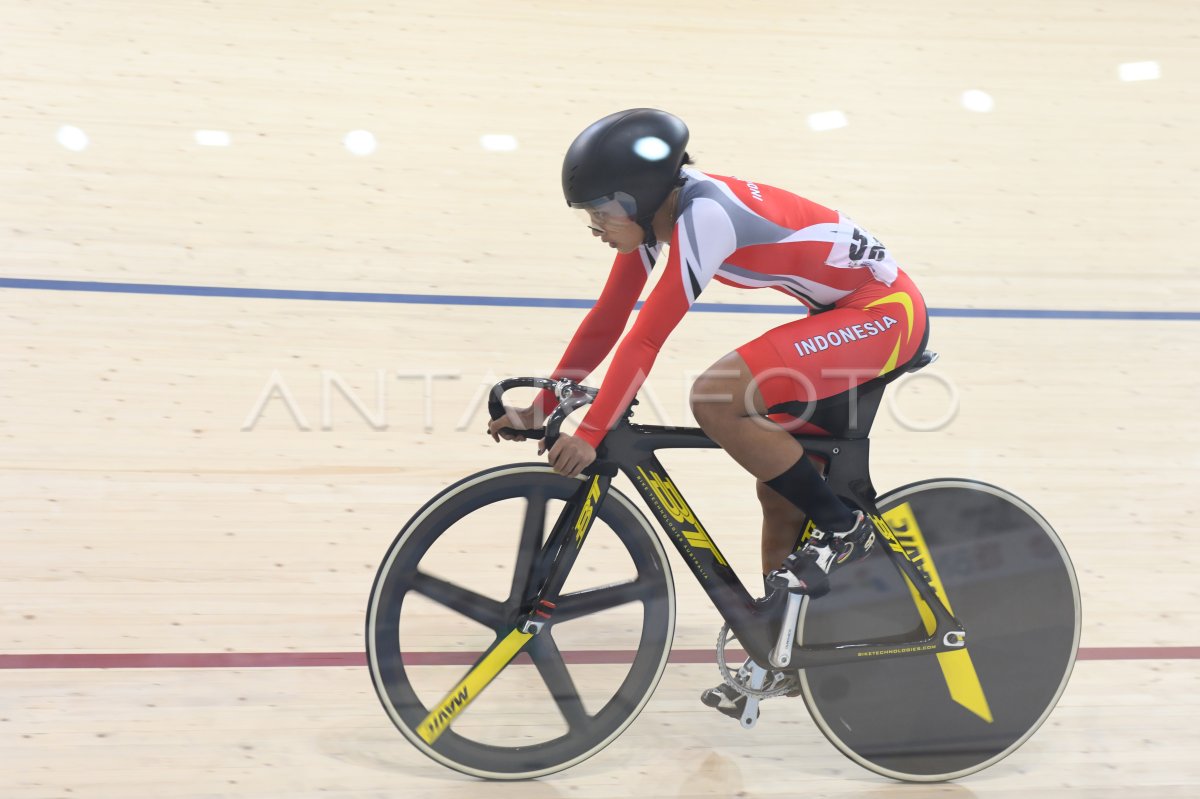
[{"x": 854, "y": 248}]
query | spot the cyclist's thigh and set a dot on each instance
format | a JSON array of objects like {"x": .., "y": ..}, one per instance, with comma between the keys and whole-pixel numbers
[{"x": 881, "y": 328}]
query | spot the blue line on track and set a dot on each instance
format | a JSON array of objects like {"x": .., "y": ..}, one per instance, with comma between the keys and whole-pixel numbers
[{"x": 549, "y": 302}]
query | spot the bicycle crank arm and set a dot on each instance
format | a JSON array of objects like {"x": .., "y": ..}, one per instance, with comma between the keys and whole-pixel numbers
[
  {"x": 758, "y": 678},
  {"x": 781, "y": 654}
]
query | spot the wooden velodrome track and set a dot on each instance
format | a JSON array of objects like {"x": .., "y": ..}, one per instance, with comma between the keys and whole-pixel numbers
[{"x": 185, "y": 568}]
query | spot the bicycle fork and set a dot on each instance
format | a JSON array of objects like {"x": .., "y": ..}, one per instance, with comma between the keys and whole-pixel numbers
[{"x": 561, "y": 550}]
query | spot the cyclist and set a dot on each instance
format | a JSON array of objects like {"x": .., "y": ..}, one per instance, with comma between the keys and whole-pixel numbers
[{"x": 629, "y": 175}]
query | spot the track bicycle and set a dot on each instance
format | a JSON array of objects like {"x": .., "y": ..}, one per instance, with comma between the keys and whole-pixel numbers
[{"x": 934, "y": 657}]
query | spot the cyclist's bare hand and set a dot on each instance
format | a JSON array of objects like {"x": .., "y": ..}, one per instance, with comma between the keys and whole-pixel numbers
[
  {"x": 516, "y": 418},
  {"x": 570, "y": 455}
]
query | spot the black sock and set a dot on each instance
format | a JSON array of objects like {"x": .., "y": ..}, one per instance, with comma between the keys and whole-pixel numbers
[{"x": 803, "y": 487}]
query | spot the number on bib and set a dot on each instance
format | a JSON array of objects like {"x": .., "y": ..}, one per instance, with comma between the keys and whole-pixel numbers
[{"x": 855, "y": 248}]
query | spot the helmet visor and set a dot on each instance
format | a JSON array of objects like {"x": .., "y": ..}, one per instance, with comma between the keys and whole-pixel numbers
[{"x": 605, "y": 213}]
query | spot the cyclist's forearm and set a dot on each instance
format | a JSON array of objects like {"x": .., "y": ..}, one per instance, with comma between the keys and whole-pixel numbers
[
  {"x": 628, "y": 372},
  {"x": 590, "y": 345},
  {"x": 601, "y": 328}
]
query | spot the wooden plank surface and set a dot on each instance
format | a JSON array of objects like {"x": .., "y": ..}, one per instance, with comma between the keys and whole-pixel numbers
[{"x": 158, "y": 493}]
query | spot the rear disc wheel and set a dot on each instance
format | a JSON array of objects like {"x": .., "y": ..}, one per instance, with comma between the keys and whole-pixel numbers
[{"x": 1006, "y": 577}]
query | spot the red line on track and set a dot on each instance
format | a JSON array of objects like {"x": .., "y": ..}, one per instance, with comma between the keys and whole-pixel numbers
[{"x": 269, "y": 660}]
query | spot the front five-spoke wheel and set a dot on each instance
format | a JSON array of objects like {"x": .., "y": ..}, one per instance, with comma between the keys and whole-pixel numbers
[{"x": 457, "y": 583}]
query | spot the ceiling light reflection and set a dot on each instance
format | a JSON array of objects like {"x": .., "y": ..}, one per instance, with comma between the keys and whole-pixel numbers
[
  {"x": 978, "y": 101},
  {"x": 827, "y": 120},
  {"x": 213, "y": 138},
  {"x": 1139, "y": 70},
  {"x": 498, "y": 142},
  {"x": 360, "y": 142},
  {"x": 72, "y": 138}
]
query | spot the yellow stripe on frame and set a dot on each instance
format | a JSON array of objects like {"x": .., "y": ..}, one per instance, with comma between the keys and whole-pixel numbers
[{"x": 478, "y": 678}]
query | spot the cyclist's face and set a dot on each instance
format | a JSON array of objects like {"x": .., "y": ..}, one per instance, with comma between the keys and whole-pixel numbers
[{"x": 616, "y": 230}]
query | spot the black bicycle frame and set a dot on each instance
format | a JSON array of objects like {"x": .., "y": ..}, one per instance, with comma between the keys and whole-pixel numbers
[{"x": 630, "y": 448}]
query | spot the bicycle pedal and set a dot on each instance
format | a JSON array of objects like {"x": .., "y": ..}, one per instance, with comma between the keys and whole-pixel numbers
[{"x": 807, "y": 577}]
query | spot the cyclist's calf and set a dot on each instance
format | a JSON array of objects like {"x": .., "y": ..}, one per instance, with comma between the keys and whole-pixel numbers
[{"x": 782, "y": 524}]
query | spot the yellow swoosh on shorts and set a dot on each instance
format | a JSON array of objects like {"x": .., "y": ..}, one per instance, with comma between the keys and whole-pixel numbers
[{"x": 900, "y": 298}]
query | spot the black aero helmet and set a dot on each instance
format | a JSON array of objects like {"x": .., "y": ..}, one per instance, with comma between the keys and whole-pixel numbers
[{"x": 631, "y": 158}]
